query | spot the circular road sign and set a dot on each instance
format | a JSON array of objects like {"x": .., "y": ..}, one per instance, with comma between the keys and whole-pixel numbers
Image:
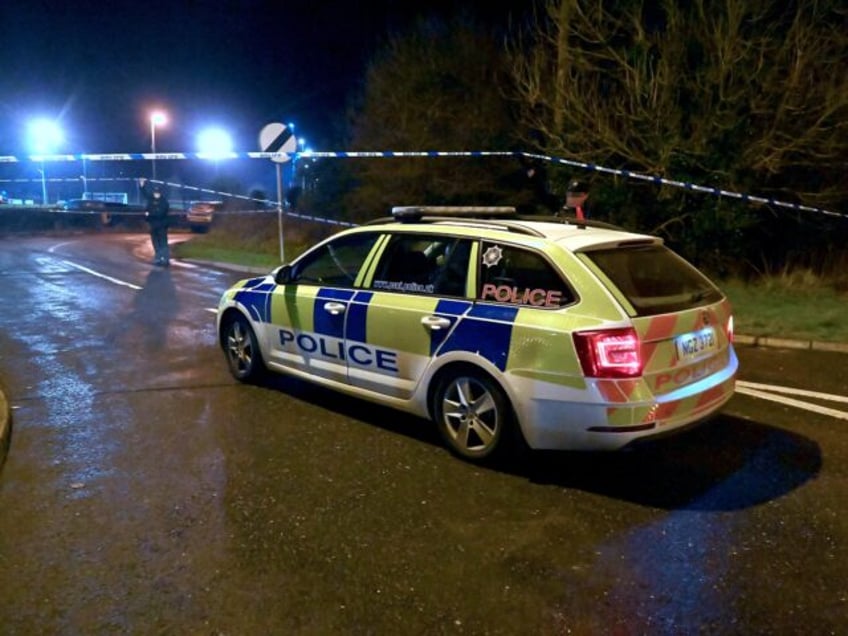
[{"x": 277, "y": 138}]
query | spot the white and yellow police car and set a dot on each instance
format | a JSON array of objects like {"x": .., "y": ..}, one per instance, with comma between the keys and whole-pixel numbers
[{"x": 502, "y": 329}]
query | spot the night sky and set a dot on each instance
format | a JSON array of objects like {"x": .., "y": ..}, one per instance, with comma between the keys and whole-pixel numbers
[{"x": 99, "y": 67}]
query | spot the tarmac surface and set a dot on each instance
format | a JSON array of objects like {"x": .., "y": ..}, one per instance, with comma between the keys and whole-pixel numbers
[
  {"x": 739, "y": 339},
  {"x": 49, "y": 220},
  {"x": 146, "y": 491}
]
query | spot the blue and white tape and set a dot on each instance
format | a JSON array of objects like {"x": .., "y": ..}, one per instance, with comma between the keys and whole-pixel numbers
[{"x": 628, "y": 174}]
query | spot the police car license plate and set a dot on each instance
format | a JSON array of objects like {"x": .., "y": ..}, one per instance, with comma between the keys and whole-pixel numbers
[{"x": 694, "y": 344}]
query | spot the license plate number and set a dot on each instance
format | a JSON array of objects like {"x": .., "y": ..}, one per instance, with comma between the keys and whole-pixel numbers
[{"x": 692, "y": 345}]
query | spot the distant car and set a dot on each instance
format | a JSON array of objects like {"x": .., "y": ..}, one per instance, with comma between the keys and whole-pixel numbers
[
  {"x": 200, "y": 214},
  {"x": 85, "y": 204},
  {"x": 106, "y": 208},
  {"x": 499, "y": 327}
]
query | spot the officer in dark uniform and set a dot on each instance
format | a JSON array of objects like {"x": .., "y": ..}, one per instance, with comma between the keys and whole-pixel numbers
[
  {"x": 575, "y": 198},
  {"x": 156, "y": 215}
]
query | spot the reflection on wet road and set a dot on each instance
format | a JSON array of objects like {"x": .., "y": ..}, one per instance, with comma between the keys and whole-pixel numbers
[{"x": 146, "y": 491}]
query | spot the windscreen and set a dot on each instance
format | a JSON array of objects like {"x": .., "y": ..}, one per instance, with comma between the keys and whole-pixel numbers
[{"x": 654, "y": 279}]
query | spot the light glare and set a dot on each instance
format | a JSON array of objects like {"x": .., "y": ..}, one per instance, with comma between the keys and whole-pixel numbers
[
  {"x": 45, "y": 135},
  {"x": 214, "y": 143}
]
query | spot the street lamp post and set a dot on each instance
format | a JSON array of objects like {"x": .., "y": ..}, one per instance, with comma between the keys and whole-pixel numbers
[
  {"x": 45, "y": 135},
  {"x": 84, "y": 179},
  {"x": 301, "y": 144},
  {"x": 157, "y": 118},
  {"x": 43, "y": 184}
]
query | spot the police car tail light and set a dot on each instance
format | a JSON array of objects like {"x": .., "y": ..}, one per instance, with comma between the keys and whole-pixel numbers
[
  {"x": 730, "y": 330},
  {"x": 612, "y": 353}
]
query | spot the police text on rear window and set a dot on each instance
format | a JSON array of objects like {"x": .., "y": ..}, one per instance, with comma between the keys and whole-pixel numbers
[{"x": 518, "y": 276}]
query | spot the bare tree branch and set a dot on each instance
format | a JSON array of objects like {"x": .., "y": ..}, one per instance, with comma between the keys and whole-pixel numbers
[{"x": 735, "y": 91}]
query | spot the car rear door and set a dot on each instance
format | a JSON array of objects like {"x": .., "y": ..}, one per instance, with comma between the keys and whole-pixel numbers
[{"x": 416, "y": 295}]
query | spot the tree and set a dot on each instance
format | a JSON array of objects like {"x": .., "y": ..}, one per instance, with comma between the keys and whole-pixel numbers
[
  {"x": 439, "y": 87},
  {"x": 746, "y": 95}
]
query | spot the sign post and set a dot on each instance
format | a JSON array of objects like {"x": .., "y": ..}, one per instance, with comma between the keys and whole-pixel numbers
[{"x": 276, "y": 137}]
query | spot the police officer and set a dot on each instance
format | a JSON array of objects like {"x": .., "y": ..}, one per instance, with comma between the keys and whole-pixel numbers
[
  {"x": 156, "y": 215},
  {"x": 575, "y": 198}
]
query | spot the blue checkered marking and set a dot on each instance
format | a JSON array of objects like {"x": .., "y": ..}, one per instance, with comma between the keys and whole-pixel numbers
[
  {"x": 256, "y": 298},
  {"x": 357, "y": 313},
  {"x": 452, "y": 310},
  {"x": 326, "y": 323},
  {"x": 485, "y": 330}
]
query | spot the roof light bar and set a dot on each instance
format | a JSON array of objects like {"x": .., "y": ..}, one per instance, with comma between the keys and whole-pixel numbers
[{"x": 416, "y": 212}]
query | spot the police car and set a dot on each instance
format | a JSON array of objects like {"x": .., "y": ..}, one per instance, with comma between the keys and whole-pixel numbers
[{"x": 502, "y": 329}]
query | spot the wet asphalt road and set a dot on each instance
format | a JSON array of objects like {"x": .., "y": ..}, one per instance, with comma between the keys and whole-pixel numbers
[{"x": 146, "y": 492}]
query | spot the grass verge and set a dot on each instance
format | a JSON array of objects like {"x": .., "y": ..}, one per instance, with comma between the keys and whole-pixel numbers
[
  {"x": 251, "y": 241},
  {"x": 770, "y": 307}
]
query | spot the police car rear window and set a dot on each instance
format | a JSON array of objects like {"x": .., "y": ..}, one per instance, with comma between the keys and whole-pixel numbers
[
  {"x": 654, "y": 279},
  {"x": 518, "y": 276}
]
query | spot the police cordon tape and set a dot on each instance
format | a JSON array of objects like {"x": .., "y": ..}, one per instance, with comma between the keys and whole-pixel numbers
[
  {"x": 268, "y": 206},
  {"x": 628, "y": 174}
]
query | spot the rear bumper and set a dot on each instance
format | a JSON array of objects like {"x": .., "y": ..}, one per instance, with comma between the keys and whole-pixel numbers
[{"x": 615, "y": 425}]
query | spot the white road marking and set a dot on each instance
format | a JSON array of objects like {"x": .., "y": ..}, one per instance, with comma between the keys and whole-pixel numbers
[
  {"x": 830, "y": 397},
  {"x": 100, "y": 275},
  {"x": 778, "y": 394},
  {"x": 87, "y": 270},
  {"x": 184, "y": 264}
]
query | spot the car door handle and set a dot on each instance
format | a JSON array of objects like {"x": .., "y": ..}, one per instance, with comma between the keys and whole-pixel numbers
[
  {"x": 334, "y": 308},
  {"x": 434, "y": 323}
]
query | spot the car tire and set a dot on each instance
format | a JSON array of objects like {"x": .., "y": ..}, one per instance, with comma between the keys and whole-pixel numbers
[
  {"x": 241, "y": 347},
  {"x": 473, "y": 414}
]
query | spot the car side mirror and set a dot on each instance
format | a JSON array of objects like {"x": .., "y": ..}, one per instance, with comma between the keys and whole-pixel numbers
[{"x": 283, "y": 275}]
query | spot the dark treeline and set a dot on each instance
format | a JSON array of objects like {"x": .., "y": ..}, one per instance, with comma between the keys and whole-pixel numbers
[{"x": 749, "y": 96}]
